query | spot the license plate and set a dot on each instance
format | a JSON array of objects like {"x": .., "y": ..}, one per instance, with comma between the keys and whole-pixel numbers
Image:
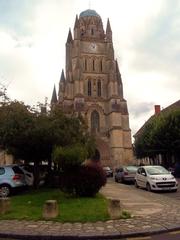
[{"x": 166, "y": 188}]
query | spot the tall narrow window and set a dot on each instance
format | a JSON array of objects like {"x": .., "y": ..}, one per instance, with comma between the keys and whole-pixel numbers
[
  {"x": 99, "y": 88},
  {"x": 92, "y": 31},
  {"x": 93, "y": 65},
  {"x": 85, "y": 64},
  {"x": 89, "y": 88},
  {"x": 101, "y": 66},
  {"x": 95, "y": 122}
]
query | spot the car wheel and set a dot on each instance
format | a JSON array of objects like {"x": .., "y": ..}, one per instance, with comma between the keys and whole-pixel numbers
[
  {"x": 5, "y": 190},
  {"x": 136, "y": 185},
  {"x": 148, "y": 187},
  {"x": 119, "y": 180}
]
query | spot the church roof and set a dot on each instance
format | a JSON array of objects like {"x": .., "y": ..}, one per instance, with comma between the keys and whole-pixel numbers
[{"x": 89, "y": 13}]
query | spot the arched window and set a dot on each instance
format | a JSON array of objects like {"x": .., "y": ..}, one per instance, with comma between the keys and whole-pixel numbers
[
  {"x": 99, "y": 88},
  {"x": 95, "y": 121},
  {"x": 89, "y": 87}
]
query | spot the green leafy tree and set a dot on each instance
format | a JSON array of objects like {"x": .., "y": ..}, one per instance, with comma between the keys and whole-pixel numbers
[
  {"x": 160, "y": 136},
  {"x": 25, "y": 134},
  {"x": 70, "y": 157},
  {"x": 31, "y": 136}
]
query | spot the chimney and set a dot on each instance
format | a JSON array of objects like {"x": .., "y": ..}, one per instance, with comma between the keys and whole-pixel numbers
[{"x": 157, "y": 109}]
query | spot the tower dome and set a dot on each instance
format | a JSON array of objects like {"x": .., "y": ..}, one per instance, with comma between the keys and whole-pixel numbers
[{"x": 89, "y": 13}]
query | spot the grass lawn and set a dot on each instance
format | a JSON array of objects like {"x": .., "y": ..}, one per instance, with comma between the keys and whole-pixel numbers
[{"x": 29, "y": 206}]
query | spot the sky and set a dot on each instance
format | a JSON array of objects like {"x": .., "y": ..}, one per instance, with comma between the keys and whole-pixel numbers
[{"x": 146, "y": 38}]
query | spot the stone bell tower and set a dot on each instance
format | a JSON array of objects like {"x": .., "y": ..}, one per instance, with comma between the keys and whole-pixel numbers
[{"x": 91, "y": 84}]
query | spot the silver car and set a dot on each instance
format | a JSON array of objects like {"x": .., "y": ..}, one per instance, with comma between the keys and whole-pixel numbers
[
  {"x": 11, "y": 177},
  {"x": 125, "y": 174},
  {"x": 155, "y": 178}
]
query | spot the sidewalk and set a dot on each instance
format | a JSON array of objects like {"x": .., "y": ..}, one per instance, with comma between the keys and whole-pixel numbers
[{"x": 152, "y": 213}]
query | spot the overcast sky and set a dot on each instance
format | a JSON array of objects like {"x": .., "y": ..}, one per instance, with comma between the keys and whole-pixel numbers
[{"x": 146, "y": 37}]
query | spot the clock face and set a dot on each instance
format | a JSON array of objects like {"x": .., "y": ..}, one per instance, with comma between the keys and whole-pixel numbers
[{"x": 93, "y": 46}]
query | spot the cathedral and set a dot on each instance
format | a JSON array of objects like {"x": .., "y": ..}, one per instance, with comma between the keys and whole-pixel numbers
[{"x": 92, "y": 86}]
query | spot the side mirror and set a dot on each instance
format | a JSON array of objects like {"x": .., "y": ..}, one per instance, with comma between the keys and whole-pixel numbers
[{"x": 143, "y": 174}]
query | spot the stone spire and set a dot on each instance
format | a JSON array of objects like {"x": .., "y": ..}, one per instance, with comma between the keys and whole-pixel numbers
[
  {"x": 76, "y": 29},
  {"x": 76, "y": 25},
  {"x": 108, "y": 31},
  {"x": 69, "y": 38},
  {"x": 62, "y": 78},
  {"x": 119, "y": 80},
  {"x": 118, "y": 73},
  {"x": 54, "y": 96}
]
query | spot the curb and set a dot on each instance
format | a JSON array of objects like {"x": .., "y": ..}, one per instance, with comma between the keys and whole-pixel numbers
[{"x": 90, "y": 236}]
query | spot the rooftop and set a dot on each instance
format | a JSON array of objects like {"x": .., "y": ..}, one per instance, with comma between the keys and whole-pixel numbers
[{"x": 89, "y": 12}]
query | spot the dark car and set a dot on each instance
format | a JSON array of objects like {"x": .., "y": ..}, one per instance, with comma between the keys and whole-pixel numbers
[
  {"x": 125, "y": 174},
  {"x": 108, "y": 171}
]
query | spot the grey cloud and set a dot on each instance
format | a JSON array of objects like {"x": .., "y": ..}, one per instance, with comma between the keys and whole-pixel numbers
[
  {"x": 14, "y": 15},
  {"x": 140, "y": 108},
  {"x": 159, "y": 49}
]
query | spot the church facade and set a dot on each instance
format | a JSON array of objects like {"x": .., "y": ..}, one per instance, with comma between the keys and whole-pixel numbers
[{"x": 91, "y": 85}]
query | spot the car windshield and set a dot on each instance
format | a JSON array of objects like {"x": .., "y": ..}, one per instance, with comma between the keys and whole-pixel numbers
[
  {"x": 131, "y": 168},
  {"x": 158, "y": 170}
]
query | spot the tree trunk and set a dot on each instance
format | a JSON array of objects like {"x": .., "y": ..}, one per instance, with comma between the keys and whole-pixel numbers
[{"x": 36, "y": 174}]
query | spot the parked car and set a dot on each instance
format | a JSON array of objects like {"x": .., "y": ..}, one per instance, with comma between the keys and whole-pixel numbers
[
  {"x": 11, "y": 178},
  {"x": 155, "y": 178},
  {"x": 28, "y": 172},
  {"x": 125, "y": 174},
  {"x": 108, "y": 171}
]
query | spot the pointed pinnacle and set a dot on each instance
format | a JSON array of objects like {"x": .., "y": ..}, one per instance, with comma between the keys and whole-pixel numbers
[
  {"x": 62, "y": 79},
  {"x": 69, "y": 38},
  {"x": 54, "y": 96},
  {"x": 76, "y": 25},
  {"x": 117, "y": 67},
  {"x": 108, "y": 27}
]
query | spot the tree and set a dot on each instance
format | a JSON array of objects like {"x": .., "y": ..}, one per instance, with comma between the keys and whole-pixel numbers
[
  {"x": 160, "y": 136},
  {"x": 31, "y": 136},
  {"x": 24, "y": 134}
]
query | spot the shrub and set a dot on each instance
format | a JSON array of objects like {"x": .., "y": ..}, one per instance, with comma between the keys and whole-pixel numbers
[
  {"x": 89, "y": 180},
  {"x": 70, "y": 156},
  {"x": 68, "y": 180}
]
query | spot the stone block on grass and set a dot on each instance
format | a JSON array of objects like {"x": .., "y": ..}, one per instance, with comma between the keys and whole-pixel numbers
[
  {"x": 50, "y": 209},
  {"x": 114, "y": 208},
  {"x": 5, "y": 204}
]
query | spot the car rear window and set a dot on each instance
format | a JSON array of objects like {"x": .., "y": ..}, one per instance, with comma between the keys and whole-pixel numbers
[
  {"x": 17, "y": 170},
  {"x": 2, "y": 170},
  {"x": 131, "y": 168},
  {"x": 106, "y": 168}
]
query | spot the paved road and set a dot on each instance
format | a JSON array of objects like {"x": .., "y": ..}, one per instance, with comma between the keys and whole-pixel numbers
[
  {"x": 174, "y": 195},
  {"x": 175, "y": 235}
]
